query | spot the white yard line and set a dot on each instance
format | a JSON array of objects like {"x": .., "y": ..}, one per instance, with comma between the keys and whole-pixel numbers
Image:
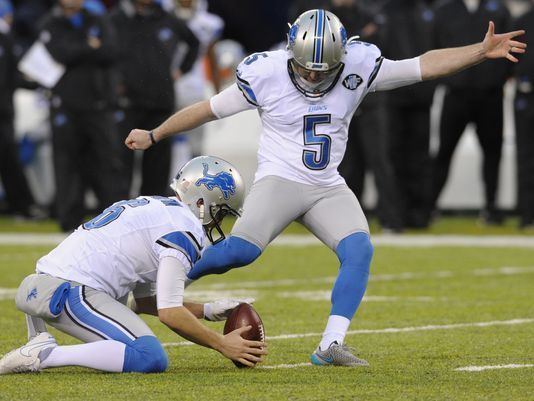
[
  {"x": 303, "y": 240},
  {"x": 374, "y": 277},
  {"x": 491, "y": 367},
  {"x": 245, "y": 289},
  {"x": 325, "y": 295},
  {"x": 390, "y": 330},
  {"x": 423, "y": 241},
  {"x": 7, "y": 293},
  {"x": 285, "y": 366}
]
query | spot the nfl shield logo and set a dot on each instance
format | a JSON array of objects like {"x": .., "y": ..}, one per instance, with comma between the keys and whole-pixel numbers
[{"x": 352, "y": 81}]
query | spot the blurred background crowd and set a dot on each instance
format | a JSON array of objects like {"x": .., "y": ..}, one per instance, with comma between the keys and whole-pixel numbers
[{"x": 124, "y": 64}]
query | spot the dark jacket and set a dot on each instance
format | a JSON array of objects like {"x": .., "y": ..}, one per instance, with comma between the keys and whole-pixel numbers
[
  {"x": 147, "y": 47},
  {"x": 456, "y": 26},
  {"x": 524, "y": 70},
  {"x": 88, "y": 80},
  {"x": 407, "y": 33},
  {"x": 8, "y": 68},
  {"x": 10, "y": 77}
]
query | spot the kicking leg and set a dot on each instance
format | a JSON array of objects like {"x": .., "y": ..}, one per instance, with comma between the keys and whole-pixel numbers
[
  {"x": 270, "y": 206},
  {"x": 226, "y": 255}
]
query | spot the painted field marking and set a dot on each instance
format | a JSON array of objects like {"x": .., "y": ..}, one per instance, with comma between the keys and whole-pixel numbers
[
  {"x": 326, "y": 294},
  {"x": 491, "y": 367},
  {"x": 7, "y": 293},
  {"x": 390, "y": 330},
  {"x": 11, "y": 257},
  {"x": 285, "y": 366},
  {"x": 210, "y": 295},
  {"x": 229, "y": 290},
  {"x": 304, "y": 240},
  {"x": 374, "y": 277}
]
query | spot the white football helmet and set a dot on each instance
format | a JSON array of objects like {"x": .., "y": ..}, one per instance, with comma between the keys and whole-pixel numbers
[
  {"x": 212, "y": 188},
  {"x": 316, "y": 43}
]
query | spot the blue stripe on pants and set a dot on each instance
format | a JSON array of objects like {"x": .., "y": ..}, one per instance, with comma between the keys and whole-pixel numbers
[{"x": 95, "y": 321}]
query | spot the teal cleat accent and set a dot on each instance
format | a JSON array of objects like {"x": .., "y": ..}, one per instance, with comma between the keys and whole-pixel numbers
[{"x": 336, "y": 355}]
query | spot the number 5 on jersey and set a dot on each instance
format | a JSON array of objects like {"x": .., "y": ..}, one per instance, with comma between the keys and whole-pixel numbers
[{"x": 316, "y": 159}]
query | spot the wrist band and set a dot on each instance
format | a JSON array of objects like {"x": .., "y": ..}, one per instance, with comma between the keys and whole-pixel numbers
[{"x": 151, "y": 135}]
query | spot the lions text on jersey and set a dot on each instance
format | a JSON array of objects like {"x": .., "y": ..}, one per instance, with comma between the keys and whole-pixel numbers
[
  {"x": 304, "y": 139},
  {"x": 122, "y": 247}
]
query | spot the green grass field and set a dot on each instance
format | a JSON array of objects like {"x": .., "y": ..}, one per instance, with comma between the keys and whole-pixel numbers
[{"x": 426, "y": 291}]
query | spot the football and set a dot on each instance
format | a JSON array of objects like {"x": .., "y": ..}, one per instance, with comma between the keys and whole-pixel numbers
[{"x": 245, "y": 315}]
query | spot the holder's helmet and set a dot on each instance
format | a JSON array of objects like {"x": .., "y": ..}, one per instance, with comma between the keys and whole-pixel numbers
[
  {"x": 212, "y": 188},
  {"x": 316, "y": 43}
]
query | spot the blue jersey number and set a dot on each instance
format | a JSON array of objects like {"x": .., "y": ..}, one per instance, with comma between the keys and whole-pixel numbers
[
  {"x": 316, "y": 159},
  {"x": 112, "y": 213},
  {"x": 250, "y": 59}
]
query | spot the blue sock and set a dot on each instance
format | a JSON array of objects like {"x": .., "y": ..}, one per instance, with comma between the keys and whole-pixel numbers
[
  {"x": 221, "y": 257},
  {"x": 354, "y": 253}
]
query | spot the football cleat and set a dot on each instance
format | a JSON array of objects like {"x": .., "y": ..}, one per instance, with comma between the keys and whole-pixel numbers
[
  {"x": 337, "y": 355},
  {"x": 26, "y": 358}
]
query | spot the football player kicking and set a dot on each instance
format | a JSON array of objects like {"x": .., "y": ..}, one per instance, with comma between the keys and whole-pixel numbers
[
  {"x": 306, "y": 96},
  {"x": 145, "y": 246}
]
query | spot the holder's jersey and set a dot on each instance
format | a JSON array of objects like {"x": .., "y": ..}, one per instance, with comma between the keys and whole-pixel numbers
[
  {"x": 122, "y": 247},
  {"x": 304, "y": 139}
]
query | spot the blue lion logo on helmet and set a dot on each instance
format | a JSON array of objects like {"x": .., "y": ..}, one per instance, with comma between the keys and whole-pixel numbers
[{"x": 223, "y": 180}]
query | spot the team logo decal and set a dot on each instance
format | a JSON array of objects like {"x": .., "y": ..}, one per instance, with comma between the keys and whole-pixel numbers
[
  {"x": 32, "y": 294},
  {"x": 352, "y": 81},
  {"x": 223, "y": 180}
]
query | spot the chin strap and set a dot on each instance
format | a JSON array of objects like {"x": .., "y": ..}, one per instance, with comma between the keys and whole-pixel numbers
[
  {"x": 217, "y": 214},
  {"x": 201, "y": 212}
]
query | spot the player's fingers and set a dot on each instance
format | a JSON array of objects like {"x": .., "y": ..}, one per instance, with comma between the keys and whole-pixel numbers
[
  {"x": 243, "y": 329},
  {"x": 255, "y": 344},
  {"x": 518, "y": 45},
  {"x": 491, "y": 28},
  {"x": 517, "y": 50},
  {"x": 511, "y": 58},
  {"x": 252, "y": 358},
  {"x": 257, "y": 351},
  {"x": 515, "y": 33},
  {"x": 246, "y": 363},
  {"x": 247, "y": 301}
]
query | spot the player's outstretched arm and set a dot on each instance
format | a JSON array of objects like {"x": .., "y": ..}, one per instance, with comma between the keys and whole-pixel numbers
[
  {"x": 443, "y": 62},
  {"x": 181, "y": 121}
]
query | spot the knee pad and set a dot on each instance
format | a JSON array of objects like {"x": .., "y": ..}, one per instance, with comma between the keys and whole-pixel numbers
[
  {"x": 241, "y": 252},
  {"x": 145, "y": 355},
  {"x": 355, "y": 250}
]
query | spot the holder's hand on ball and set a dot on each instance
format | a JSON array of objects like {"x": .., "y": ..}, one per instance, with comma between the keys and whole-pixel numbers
[
  {"x": 246, "y": 352},
  {"x": 219, "y": 310}
]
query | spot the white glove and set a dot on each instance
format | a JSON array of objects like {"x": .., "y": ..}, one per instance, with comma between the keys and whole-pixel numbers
[{"x": 217, "y": 311}]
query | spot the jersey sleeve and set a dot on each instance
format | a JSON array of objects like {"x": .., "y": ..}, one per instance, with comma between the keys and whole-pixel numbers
[
  {"x": 394, "y": 74},
  {"x": 182, "y": 245},
  {"x": 170, "y": 283},
  {"x": 229, "y": 102},
  {"x": 252, "y": 76}
]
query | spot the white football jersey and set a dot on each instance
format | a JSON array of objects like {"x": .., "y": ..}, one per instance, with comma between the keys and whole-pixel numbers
[
  {"x": 122, "y": 247},
  {"x": 304, "y": 139},
  {"x": 191, "y": 87}
]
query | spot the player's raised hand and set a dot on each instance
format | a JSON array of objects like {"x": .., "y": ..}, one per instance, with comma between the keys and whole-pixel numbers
[
  {"x": 247, "y": 352},
  {"x": 138, "y": 139},
  {"x": 502, "y": 45}
]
